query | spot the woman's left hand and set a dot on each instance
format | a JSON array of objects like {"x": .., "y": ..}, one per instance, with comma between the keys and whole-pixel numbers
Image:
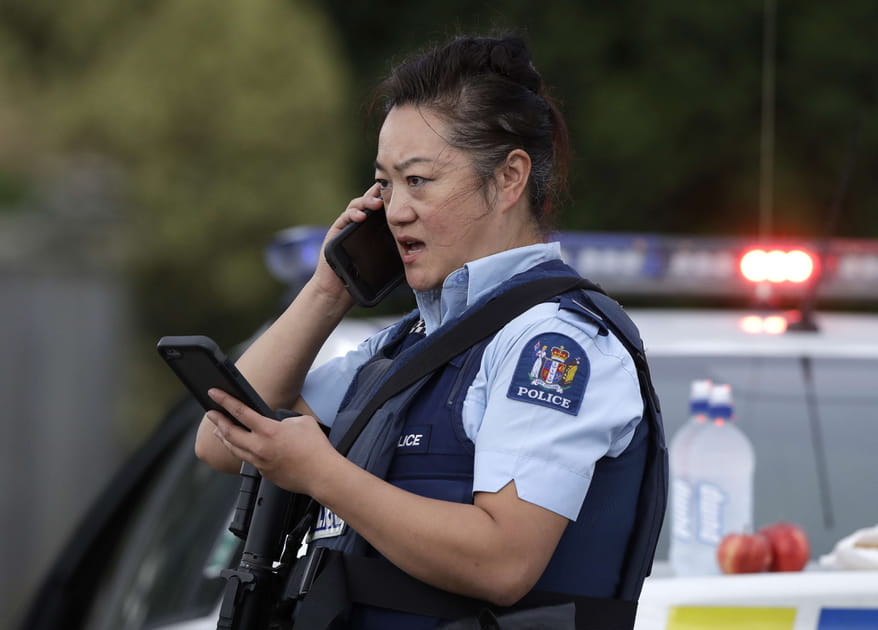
[{"x": 292, "y": 453}]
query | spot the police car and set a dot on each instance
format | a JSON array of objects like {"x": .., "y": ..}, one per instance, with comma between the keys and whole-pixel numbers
[{"x": 149, "y": 552}]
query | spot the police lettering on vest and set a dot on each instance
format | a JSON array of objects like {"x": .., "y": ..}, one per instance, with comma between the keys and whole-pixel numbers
[
  {"x": 412, "y": 439},
  {"x": 328, "y": 525},
  {"x": 415, "y": 439}
]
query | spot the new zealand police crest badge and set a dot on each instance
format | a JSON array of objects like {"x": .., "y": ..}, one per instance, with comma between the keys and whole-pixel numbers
[{"x": 552, "y": 371}]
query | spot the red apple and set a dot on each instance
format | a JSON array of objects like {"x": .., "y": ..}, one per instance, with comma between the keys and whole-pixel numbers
[
  {"x": 743, "y": 553},
  {"x": 789, "y": 546}
]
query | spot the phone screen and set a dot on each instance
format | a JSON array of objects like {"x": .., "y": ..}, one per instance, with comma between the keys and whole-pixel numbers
[{"x": 366, "y": 258}]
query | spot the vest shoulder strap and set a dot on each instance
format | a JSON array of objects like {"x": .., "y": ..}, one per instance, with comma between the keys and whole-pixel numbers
[{"x": 441, "y": 347}]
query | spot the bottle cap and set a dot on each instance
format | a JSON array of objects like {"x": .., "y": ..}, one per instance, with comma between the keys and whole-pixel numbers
[
  {"x": 700, "y": 389},
  {"x": 699, "y": 393},
  {"x": 721, "y": 402},
  {"x": 721, "y": 394}
]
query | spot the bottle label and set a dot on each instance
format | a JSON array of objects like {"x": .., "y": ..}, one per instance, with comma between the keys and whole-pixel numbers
[
  {"x": 682, "y": 510},
  {"x": 711, "y": 510}
]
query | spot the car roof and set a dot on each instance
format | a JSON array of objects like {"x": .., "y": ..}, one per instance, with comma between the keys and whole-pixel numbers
[{"x": 688, "y": 332}]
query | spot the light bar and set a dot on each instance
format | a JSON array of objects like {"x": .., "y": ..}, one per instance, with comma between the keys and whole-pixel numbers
[
  {"x": 627, "y": 264},
  {"x": 759, "y": 265}
]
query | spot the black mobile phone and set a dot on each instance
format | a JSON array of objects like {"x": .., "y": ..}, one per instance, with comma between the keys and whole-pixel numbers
[
  {"x": 200, "y": 364},
  {"x": 365, "y": 256}
]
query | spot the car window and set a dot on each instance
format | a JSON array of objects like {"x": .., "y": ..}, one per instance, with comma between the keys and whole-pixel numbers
[
  {"x": 812, "y": 425},
  {"x": 169, "y": 558}
]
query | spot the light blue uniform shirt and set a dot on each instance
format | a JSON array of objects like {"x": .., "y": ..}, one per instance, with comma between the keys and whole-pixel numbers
[{"x": 549, "y": 453}]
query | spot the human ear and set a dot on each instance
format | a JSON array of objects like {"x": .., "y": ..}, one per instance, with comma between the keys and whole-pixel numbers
[{"x": 512, "y": 177}]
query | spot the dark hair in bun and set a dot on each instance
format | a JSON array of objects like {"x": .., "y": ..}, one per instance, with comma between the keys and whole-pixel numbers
[{"x": 495, "y": 101}]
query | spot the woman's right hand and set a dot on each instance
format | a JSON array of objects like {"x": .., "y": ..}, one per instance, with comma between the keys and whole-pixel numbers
[
  {"x": 327, "y": 282},
  {"x": 277, "y": 362}
]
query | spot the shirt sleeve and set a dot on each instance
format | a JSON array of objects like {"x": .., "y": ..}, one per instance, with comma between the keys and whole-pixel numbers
[
  {"x": 325, "y": 386},
  {"x": 552, "y": 396}
]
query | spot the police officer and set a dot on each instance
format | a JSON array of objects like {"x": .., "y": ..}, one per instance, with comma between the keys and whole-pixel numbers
[{"x": 481, "y": 487}]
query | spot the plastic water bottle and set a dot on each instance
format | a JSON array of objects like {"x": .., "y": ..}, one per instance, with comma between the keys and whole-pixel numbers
[
  {"x": 721, "y": 465},
  {"x": 682, "y": 499}
]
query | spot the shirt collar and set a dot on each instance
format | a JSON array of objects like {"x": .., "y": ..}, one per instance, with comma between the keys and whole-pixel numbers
[{"x": 466, "y": 285}]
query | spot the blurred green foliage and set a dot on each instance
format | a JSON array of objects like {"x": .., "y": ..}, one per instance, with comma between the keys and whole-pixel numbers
[
  {"x": 663, "y": 101},
  {"x": 229, "y": 121}
]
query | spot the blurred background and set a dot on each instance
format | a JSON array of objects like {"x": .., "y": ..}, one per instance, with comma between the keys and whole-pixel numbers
[{"x": 149, "y": 151}]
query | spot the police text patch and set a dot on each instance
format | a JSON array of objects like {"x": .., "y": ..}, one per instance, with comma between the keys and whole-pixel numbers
[
  {"x": 414, "y": 440},
  {"x": 328, "y": 525},
  {"x": 552, "y": 371}
]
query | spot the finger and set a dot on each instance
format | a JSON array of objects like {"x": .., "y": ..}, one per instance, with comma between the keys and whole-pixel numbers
[
  {"x": 354, "y": 213},
  {"x": 240, "y": 442},
  {"x": 356, "y": 210},
  {"x": 216, "y": 417},
  {"x": 373, "y": 198},
  {"x": 250, "y": 418},
  {"x": 227, "y": 431},
  {"x": 223, "y": 426},
  {"x": 237, "y": 451}
]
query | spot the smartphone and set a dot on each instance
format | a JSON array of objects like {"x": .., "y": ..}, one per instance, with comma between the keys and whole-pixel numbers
[
  {"x": 200, "y": 364},
  {"x": 365, "y": 256}
]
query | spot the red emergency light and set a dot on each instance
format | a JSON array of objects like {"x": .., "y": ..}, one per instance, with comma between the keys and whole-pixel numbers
[
  {"x": 777, "y": 265},
  {"x": 763, "y": 325}
]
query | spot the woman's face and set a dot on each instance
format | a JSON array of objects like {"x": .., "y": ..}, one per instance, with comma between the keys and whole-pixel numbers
[{"x": 436, "y": 207}]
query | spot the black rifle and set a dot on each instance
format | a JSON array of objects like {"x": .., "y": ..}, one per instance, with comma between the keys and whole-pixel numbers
[{"x": 273, "y": 523}]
